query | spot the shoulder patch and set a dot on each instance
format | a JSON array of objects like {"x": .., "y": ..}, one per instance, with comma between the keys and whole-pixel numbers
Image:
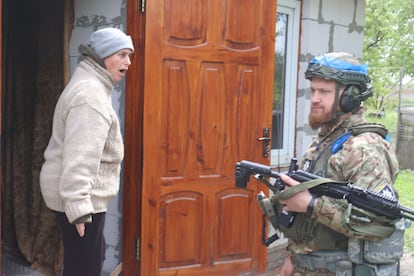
[{"x": 385, "y": 189}]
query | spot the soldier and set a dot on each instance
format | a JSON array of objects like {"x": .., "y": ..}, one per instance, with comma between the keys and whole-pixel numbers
[{"x": 324, "y": 240}]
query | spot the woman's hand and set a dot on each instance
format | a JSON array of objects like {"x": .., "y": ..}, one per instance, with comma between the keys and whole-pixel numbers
[{"x": 81, "y": 229}]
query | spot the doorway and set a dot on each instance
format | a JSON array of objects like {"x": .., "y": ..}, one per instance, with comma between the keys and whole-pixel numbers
[{"x": 33, "y": 77}]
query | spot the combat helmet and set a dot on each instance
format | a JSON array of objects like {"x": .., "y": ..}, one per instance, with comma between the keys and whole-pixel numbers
[{"x": 347, "y": 71}]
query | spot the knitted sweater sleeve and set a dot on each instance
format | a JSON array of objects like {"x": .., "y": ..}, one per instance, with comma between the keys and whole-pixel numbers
[{"x": 86, "y": 130}]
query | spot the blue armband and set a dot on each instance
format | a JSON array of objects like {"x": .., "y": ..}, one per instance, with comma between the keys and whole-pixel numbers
[{"x": 337, "y": 144}]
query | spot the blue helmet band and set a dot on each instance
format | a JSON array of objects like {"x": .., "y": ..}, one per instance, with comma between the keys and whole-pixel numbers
[
  {"x": 334, "y": 67},
  {"x": 339, "y": 64}
]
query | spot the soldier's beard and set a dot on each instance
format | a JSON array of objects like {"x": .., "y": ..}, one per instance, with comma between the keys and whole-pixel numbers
[{"x": 318, "y": 119}]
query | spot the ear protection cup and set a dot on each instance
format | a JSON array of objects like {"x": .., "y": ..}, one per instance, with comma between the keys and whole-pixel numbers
[{"x": 350, "y": 99}]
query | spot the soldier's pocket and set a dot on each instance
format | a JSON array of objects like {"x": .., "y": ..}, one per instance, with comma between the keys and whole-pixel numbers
[{"x": 388, "y": 250}]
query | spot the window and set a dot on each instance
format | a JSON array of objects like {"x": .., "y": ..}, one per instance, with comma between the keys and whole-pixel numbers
[{"x": 284, "y": 97}]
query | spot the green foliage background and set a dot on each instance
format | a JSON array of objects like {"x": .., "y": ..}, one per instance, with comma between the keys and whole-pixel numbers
[
  {"x": 389, "y": 51},
  {"x": 389, "y": 34},
  {"x": 388, "y": 47}
]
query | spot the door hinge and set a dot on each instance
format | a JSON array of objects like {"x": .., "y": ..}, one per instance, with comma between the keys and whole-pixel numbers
[
  {"x": 142, "y": 5},
  {"x": 138, "y": 249}
]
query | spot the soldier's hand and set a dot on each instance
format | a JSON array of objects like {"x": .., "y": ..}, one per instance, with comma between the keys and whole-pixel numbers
[{"x": 300, "y": 201}]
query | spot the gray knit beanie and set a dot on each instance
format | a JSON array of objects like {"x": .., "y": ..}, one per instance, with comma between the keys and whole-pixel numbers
[{"x": 106, "y": 42}]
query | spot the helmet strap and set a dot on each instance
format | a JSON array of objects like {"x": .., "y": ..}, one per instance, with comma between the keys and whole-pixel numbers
[{"x": 335, "y": 112}]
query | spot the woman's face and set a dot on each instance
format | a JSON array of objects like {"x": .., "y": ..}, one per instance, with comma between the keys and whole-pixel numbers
[{"x": 118, "y": 63}]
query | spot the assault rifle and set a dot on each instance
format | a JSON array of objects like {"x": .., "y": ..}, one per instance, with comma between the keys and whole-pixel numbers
[{"x": 376, "y": 203}]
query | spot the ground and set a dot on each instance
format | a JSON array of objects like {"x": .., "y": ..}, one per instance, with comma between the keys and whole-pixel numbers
[{"x": 407, "y": 264}]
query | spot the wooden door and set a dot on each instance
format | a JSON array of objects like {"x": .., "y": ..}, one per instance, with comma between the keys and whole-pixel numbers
[
  {"x": 1, "y": 127},
  {"x": 207, "y": 96}
]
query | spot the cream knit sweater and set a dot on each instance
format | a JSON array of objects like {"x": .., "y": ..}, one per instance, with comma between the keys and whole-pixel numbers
[{"x": 81, "y": 171}]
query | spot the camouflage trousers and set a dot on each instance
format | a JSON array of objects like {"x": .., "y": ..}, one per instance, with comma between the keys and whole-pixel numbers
[
  {"x": 386, "y": 270},
  {"x": 323, "y": 263},
  {"x": 328, "y": 265},
  {"x": 305, "y": 272}
]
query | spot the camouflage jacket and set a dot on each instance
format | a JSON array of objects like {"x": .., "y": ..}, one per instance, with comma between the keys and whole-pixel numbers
[{"x": 366, "y": 160}]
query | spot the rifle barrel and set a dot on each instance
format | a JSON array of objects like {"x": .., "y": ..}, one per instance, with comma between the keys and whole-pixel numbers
[{"x": 407, "y": 212}]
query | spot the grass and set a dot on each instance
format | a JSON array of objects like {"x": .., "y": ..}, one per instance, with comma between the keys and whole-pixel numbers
[
  {"x": 389, "y": 120},
  {"x": 404, "y": 185},
  {"x": 405, "y": 180}
]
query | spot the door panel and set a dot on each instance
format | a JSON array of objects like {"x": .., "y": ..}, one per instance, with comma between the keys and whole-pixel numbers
[
  {"x": 207, "y": 97},
  {"x": 1, "y": 127}
]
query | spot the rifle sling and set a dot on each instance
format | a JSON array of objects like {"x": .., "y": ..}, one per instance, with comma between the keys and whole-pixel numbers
[
  {"x": 376, "y": 231},
  {"x": 291, "y": 191}
]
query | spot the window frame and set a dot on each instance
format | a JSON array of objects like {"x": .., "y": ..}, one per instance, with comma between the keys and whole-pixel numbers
[{"x": 281, "y": 157}]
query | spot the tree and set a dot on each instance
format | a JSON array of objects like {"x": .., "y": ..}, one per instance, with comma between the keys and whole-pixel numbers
[{"x": 388, "y": 45}]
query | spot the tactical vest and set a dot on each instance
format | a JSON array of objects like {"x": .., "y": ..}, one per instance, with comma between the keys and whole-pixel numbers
[
  {"x": 315, "y": 235},
  {"x": 319, "y": 165}
]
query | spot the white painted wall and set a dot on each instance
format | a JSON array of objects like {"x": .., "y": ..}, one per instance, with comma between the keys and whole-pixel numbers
[{"x": 327, "y": 25}]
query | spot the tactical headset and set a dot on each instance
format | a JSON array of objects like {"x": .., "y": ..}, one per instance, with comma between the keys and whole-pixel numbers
[{"x": 352, "y": 97}]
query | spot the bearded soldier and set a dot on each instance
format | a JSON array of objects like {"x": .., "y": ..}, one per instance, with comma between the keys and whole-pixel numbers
[{"x": 325, "y": 238}]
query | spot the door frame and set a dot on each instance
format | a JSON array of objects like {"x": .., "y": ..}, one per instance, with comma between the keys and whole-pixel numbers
[
  {"x": 133, "y": 136},
  {"x": 1, "y": 124}
]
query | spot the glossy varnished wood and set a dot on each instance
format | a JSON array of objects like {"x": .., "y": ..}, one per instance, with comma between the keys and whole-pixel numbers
[{"x": 204, "y": 97}]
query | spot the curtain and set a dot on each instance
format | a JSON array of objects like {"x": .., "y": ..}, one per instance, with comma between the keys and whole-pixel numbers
[{"x": 35, "y": 50}]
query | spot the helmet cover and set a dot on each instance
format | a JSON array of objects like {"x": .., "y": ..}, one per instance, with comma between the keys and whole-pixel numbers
[{"x": 343, "y": 68}]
